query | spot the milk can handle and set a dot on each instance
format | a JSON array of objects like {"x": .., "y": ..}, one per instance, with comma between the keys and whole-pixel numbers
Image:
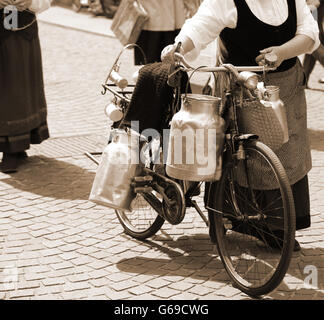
[
  {"x": 266, "y": 95},
  {"x": 128, "y": 46},
  {"x": 187, "y": 85}
]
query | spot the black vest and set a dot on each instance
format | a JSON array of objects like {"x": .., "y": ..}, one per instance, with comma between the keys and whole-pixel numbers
[
  {"x": 24, "y": 18},
  {"x": 240, "y": 46}
]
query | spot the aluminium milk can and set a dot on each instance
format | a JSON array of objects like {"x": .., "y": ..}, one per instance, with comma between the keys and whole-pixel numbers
[
  {"x": 196, "y": 139},
  {"x": 118, "y": 165},
  {"x": 271, "y": 95}
]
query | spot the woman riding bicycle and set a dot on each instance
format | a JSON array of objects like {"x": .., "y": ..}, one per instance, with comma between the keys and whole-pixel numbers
[{"x": 246, "y": 31}]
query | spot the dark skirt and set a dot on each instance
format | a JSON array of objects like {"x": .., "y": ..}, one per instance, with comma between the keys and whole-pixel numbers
[
  {"x": 152, "y": 43},
  {"x": 23, "y": 110}
]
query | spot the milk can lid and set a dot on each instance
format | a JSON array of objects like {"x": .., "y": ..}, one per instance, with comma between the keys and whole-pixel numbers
[{"x": 200, "y": 97}]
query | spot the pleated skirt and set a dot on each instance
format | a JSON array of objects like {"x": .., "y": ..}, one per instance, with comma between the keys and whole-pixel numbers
[{"x": 23, "y": 109}]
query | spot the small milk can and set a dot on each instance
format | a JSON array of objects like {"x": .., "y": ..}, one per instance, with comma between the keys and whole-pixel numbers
[
  {"x": 271, "y": 95},
  {"x": 113, "y": 111},
  {"x": 118, "y": 165},
  {"x": 196, "y": 139}
]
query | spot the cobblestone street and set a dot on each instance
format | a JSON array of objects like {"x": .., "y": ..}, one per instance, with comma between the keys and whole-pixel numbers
[{"x": 55, "y": 244}]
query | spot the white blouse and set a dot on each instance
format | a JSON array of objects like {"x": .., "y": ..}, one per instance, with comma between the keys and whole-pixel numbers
[
  {"x": 164, "y": 15},
  {"x": 38, "y": 6},
  {"x": 215, "y": 15}
]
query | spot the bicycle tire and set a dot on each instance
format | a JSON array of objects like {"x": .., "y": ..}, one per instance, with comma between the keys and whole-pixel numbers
[
  {"x": 145, "y": 223},
  {"x": 134, "y": 231},
  {"x": 242, "y": 268}
]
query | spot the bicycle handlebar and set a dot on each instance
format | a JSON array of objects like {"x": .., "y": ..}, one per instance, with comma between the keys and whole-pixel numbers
[{"x": 188, "y": 67}]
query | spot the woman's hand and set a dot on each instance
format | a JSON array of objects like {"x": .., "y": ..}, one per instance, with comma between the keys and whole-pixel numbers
[
  {"x": 298, "y": 45},
  {"x": 313, "y": 4},
  {"x": 21, "y": 5},
  {"x": 4, "y": 3},
  {"x": 272, "y": 52},
  {"x": 167, "y": 54}
]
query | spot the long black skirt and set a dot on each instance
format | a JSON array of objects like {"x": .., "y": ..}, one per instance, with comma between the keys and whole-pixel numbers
[{"x": 23, "y": 109}]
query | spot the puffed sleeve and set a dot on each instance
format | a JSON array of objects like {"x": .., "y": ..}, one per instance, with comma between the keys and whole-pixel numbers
[
  {"x": 38, "y": 6},
  {"x": 210, "y": 19},
  {"x": 306, "y": 24}
]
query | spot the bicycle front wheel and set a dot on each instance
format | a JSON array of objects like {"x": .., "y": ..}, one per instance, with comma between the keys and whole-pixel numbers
[
  {"x": 255, "y": 227},
  {"x": 143, "y": 221}
]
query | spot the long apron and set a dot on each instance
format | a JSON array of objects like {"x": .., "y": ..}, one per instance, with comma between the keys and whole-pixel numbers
[{"x": 295, "y": 155}]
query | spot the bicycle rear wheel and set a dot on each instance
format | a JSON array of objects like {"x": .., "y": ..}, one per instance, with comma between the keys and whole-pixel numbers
[{"x": 255, "y": 229}]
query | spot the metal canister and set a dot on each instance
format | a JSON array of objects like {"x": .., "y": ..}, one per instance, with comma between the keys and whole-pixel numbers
[
  {"x": 196, "y": 139},
  {"x": 118, "y": 165},
  {"x": 113, "y": 110},
  {"x": 272, "y": 96}
]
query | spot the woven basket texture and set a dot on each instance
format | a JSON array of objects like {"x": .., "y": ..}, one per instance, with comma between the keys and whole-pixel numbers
[{"x": 254, "y": 117}]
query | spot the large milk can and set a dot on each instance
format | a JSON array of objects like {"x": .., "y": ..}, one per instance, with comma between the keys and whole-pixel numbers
[
  {"x": 271, "y": 96},
  {"x": 118, "y": 165},
  {"x": 196, "y": 139}
]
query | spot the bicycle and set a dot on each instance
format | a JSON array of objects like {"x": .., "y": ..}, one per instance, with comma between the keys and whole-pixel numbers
[{"x": 254, "y": 234}]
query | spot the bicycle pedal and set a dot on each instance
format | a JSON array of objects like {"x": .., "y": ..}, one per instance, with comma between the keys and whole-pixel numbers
[
  {"x": 227, "y": 224},
  {"x": 143, "y": 189},
  {"x": 143, "y": 179}
]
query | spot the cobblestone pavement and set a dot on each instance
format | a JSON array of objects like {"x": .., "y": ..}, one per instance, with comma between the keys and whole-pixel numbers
[{"x": 55, "y": 244}]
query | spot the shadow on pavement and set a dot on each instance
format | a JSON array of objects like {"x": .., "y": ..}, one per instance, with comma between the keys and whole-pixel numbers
[
  {"x": 52, "y": 178},
  {"x": 197, "y": 260},
  {"x": 188, "y": 256},
  {"x": 316, "y": 138},
  {"x": 316, "y": 89}
]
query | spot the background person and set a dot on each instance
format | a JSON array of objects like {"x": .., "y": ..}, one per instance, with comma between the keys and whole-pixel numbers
[
  {"x": 317, "y": 7},
  {"x": 23, "y": 110},
  {"x": 166, "y": 18}
]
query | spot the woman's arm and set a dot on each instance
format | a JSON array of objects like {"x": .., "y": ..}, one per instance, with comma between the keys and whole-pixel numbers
[
  {"x": 307, "y": 25},
  {"x": 36, "y": 6},
  {"x": 39, "y": 6},
  {"x": 306, "y": 39},
  {"x": 204, "y": 27},
  {"x": 4, "y": 3},
  {"x": 293, "y": 48}
]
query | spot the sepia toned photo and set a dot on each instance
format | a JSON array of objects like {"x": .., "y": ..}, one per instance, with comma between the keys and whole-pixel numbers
[{"x": 161, "y": 155}]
